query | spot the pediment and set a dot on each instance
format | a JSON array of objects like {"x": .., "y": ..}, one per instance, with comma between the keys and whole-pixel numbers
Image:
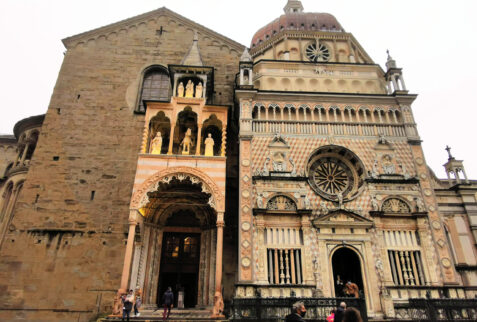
[
  {"x": 278, "y": 141},
  {"x": 134, "y": 22},
  {"x": 342, "y": 217}
]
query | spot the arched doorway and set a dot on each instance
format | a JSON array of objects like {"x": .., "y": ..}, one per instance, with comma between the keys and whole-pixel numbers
[
  {"x": 346, "y": 268},
  {"x": 182, "y": 257}
]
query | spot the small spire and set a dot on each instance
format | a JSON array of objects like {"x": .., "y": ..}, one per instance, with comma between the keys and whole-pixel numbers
[
  {"x": 448, "y": 149},
  {"x": 246, "y": 56},
  {"x": 293, "y": 6},
  {"x": 390, "y": 63},
  {"x": 193, "y": 57}
]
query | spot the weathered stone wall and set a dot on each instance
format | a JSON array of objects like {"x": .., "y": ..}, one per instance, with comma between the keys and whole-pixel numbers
[
  {"x": 65, "y": 248},
  {"x": 7, "y": 154}
]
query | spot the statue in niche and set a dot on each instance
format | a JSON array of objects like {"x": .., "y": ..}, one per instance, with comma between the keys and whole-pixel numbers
[
  {"x": 374, "y": 203},
  {"x": 189, "y": 92},
  {"x": 306, "y": 202},
  {"x": 180, "y": 90},
  {"x": 156, "y": 144},
  {"x": 198, "y": 90},
  {"x": 265, "y": 167},
  {"x": 388, "y": 165},
  {"x": 420, "y": 205},
  {"x": 187, "y": 142},
  {"x": 209, "y": 146}
]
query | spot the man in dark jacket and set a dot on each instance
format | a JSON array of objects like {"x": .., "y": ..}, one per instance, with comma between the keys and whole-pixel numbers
[
  {"x": 168, "y": 302},
  {"x": 299, "y": 312},
  {"x": 340, "y": 312}
]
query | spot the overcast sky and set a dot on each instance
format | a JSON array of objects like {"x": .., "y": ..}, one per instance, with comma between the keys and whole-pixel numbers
[{"x": 432, "y": 40}]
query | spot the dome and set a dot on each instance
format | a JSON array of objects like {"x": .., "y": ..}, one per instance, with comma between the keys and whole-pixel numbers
[{"x": 297, "y": 21}]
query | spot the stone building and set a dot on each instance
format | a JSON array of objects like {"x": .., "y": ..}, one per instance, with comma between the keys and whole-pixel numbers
[{"x": 171, "y": 155}]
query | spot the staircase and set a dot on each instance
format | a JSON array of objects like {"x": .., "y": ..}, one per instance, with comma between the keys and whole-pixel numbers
[{"x": 155, "y": 314}]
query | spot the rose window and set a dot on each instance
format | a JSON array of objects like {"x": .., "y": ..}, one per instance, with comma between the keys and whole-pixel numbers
[
  {"x": 317, "y": 53},
  {"x": 335, "y": 173}
]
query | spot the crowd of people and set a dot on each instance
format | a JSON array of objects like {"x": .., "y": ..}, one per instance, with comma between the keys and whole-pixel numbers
[
  {"x": 131, "y": 300},
  {"x": 341, "y": 314}
]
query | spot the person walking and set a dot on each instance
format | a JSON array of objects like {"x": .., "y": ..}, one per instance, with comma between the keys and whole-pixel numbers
[
  {"x": 168, "y": 302},
  {"x": 128, "y": 302},
  {"x": 340, "y": 312},
  {"x": 299, "y": 312},
  {"x": 331, "y": 317},
  {"x": 352, "y": 315},
  {"x": 137, "y": 303}
]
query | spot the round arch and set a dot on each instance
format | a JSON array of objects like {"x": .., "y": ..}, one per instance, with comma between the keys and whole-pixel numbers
[
  {"x": 140, "y": 197},
  {"x": 355, "y": 276}
]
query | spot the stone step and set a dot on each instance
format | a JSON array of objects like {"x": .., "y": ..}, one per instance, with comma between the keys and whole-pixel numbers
[{"x": 150, "y": 314}]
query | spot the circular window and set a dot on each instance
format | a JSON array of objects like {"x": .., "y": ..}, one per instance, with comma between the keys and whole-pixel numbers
[
  {"x": 335, "y": 172},
  {"x": 318, "y": 53}
]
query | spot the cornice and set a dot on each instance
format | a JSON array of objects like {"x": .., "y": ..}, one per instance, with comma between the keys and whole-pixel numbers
[
  {"x": 28, "y": 123},
  {"x": 133, "y": 21}
]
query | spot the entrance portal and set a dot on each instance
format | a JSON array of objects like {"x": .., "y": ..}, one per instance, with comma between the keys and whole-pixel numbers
[
  {"x": 180, "y": 267},
  {"x": 346, "y": 268}
]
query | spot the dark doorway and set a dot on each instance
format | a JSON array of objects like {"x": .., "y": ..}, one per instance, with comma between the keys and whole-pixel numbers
[
  {"x": 180, "y": 266},
  {"x": 346, "y": 267}
]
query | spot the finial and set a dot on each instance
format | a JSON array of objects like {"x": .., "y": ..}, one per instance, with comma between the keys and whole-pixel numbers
[
  {"x": 390, "y": 63},
  {"x": 448, "y": 149}
]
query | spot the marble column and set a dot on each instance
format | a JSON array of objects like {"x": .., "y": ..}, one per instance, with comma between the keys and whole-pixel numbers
[
  {"x": 218, "y": 299},
  {"x": 171, "y": 138}
]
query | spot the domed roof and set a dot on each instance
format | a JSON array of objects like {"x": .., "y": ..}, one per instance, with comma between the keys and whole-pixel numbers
[{"x": 297, "y": 21}]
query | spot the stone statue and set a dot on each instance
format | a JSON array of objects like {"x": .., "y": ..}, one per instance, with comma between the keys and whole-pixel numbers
[
  {"x": 375, "y": 172},
  {"x": 420, "y": 205},
  {"x": 403, "y": 170},
  {"x": 265, "y": 167},
  {"x": 209, "y": 146},
  {"x": 293, "y": 172},
  {"x": 189, "y": 92},
  {"x": 156, "y": 144},
  {"x": 187, "y": 142},
  {"x": 180, "y": 90},
  {"x": 260, "y": 200},
  {"x": 306, "y": 202},
  {"x": 388, "y": 165},
  {"x": 279, "y": 162},
  {"x": 374, "y": 203},
  {"x": 198, "y": 90},
  {"x": 324, "y": 209},
  {"x": 340, "y": 199},
  {"x": 382, "y": 139}
]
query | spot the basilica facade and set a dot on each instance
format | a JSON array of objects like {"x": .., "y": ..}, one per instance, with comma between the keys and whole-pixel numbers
[{"x": 172, "y": 156}]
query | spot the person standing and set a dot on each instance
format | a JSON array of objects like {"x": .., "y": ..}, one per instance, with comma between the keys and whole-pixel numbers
[
  {"x": 352, "y": 315},
  {"x": 137, "y": 303},
  {"x": 299, "y": 312},
  {"x": 331, "y": 317},
  {"x": 168, "y": 302},
  {"x": 128, "y": 302},
  {"x": 340, "y": 312}
]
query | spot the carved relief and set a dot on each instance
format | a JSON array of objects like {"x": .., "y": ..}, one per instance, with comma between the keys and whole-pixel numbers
[
  {"x": 140, "y": 198},
  {"x": 395, "y": 205},
  {"x": 281, "y": 203}
]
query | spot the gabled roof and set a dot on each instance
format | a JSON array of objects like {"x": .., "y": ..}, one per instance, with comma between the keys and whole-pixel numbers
[{"x": 92, "y": 34}]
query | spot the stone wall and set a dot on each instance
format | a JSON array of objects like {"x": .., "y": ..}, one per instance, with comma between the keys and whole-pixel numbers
[{"x": 65, "y": 248}]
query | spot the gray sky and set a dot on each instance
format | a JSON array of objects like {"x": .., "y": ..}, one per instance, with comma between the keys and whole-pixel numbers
[{"x": 432, "y": 40}]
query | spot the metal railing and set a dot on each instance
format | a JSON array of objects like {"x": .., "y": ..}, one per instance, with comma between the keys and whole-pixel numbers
[{"x": 276, "y": 309}]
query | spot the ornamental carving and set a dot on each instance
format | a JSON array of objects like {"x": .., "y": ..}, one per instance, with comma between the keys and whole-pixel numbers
[
  {"x": 216, "y": 201},
  {"x": 395, "y": 205},
  {"x": 281, "y": 203}
]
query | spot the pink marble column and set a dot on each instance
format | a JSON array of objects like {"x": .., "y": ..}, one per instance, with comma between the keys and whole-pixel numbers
[{"x": 218, "y": 299}]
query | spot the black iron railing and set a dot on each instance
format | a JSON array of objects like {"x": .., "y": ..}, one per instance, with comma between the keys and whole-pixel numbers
[
  {"x": 438, "y": 310},
  {"x": 276, "y": 309}
]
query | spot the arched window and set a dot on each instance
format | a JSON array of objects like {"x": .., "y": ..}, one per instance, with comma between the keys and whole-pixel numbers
[{"x": 156, "y": 86}]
